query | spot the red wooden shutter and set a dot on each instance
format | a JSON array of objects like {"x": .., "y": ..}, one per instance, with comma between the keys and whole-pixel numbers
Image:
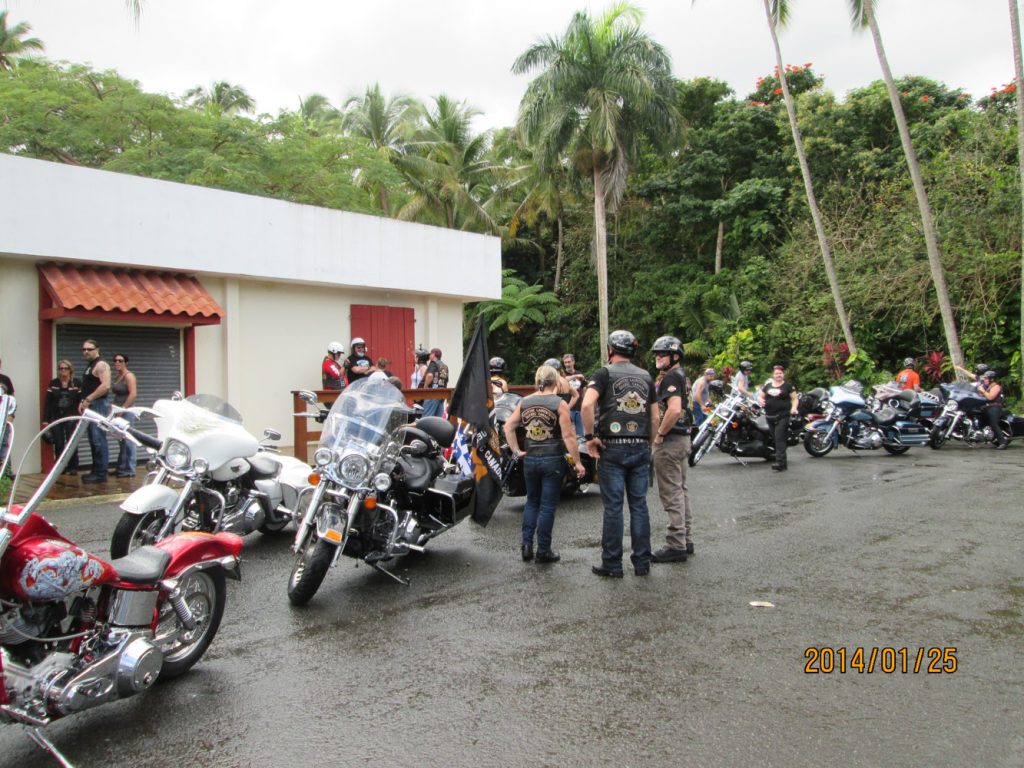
[{"x": 389, "y": 332}]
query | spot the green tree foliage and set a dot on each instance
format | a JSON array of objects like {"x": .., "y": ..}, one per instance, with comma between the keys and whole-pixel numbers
[{"x": 13, "y": 42}]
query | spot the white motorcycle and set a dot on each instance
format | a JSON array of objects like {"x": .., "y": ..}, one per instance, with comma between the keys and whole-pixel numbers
[{"x": 212, "y": 476}]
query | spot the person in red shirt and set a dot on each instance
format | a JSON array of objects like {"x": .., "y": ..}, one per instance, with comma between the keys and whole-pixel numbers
[
  {"x": 908, "y": 378},
  {"x": 331, "y": 373}
]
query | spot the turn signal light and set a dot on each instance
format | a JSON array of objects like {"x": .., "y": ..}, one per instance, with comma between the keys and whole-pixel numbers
[
  {"x": 314, "y": 478},
  {"x": 370, "y": 503}
]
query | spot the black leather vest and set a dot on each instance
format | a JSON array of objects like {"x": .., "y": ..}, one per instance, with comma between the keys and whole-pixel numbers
[
  {"x": 623, "y": 404},
  {"x": 540, "y": 422},
  {"x": 673, "y": 384},
  {"x": 90, "y": 382}
]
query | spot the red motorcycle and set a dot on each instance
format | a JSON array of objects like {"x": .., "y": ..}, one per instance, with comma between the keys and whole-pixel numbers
[{"x": 77, "y": 631}]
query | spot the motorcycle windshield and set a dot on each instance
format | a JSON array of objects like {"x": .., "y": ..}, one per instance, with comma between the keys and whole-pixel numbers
[
  {"x": 364, "y": 415},
  {"x": 216, "y": 406}
]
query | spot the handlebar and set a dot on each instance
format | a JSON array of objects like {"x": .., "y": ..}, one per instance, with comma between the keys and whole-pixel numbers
[{"x": 147, "y": 440}]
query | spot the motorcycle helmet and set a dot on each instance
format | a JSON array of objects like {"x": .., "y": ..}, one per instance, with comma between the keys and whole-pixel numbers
[
  {"x": 623, "y": 343},
  {"x": 908, "y": 362},
  {"x": 554, "y": 363},
  {"x": 980, "y": 368},
  {"x": 497, "y": 365},
  {"x": 669, "y": 345},
  {"x": 357, "y": 341},
  {"x": 335, "y": 348},
  {"x": 746, "y": 366},
  {"x": 990, "y": 374}
]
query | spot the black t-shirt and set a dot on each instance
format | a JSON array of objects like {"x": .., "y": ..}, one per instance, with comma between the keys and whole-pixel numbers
[
  {"x": 673, "y": 384},
  {"x": 432, "y": 371},
  {"x": 777, "y": 400},
  {"x": 355, "y": 359}
]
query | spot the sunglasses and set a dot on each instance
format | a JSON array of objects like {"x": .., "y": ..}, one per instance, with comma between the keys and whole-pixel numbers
[
  {"x": 119, "y": 360},
  {"x": 64, "y": 367},
  {"x": 88, "y": 349}
]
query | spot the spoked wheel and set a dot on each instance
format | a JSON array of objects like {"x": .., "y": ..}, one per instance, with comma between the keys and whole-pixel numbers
[
  {"x": 818, "y": 443},
  {"x": 310, "y": 567},
  {"x": 896, "y": 450},
  {"x": 205, "y": 593},
  {"x": 134, "y": 531},
  {"x": 700, "y": 447}
]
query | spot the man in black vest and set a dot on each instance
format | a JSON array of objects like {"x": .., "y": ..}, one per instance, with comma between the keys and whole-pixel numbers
[
  {"x": 672, "y": 449},
  {"x": 629, "y": 420},
  {"x": 95, "y": 397}
]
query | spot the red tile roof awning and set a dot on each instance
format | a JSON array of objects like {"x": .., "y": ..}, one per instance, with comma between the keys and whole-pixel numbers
[{"x": 88, "y": 291}]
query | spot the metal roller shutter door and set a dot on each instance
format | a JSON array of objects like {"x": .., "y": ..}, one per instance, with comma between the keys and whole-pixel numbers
[{"x": 154, "y": 356}]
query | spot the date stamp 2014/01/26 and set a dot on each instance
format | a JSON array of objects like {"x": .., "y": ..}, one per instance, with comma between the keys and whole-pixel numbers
[{"x": 826, "y": 660}]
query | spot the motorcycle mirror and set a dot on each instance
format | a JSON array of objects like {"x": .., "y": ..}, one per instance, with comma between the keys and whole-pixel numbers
[
  {"x": 309, "y": 397},
  {"x": 176, "y": 395},
  {"x": 271, "y": 434}
]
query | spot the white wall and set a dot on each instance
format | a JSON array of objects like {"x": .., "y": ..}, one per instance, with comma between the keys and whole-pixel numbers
[
  {"x": 54, "y": 211},
  {"x": 19, "y": 349}
]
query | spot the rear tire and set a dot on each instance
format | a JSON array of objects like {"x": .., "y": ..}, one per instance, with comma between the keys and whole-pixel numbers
[
  {"x": 205, "y": 594},
  {"x": 310, "y": 568},
  {"x": 134, "y": 531},
  {"x": 896, "y": 450},
  {"x": 818, "y": 443}
]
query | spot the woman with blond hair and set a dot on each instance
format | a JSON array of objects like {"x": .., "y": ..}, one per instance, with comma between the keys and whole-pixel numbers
[
  {"x": 545, "y": 419},
  {"x": 62, "y": 398}
]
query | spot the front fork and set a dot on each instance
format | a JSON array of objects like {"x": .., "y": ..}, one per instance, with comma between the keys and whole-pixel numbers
[
  {"x": 309, "y": 525},
  {"x": 177, "y": 513}
]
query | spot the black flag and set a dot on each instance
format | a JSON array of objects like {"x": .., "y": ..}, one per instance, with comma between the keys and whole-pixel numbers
[{"x": 472, "y": 402}]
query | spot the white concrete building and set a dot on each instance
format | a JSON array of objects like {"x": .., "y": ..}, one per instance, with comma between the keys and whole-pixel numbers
[{"x": 248, "y": 290}]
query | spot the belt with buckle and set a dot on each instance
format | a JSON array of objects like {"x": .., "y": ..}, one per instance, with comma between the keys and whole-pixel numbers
[{"x": 625, "y": 440}]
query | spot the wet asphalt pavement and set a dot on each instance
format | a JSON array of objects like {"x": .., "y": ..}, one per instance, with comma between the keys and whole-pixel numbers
[{"x": 488, "y": 661}]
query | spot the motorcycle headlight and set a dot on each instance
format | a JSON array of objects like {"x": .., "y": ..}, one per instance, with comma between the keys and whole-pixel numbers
[
  {"x": 177, "y": 455},
  {"x": 951, "y": 405},
  {"x": 201, "y": 466},
  {"x": 353, "y": 470},
  {"x": 382, "y": 482},
  {"x": 323, "y": 457}
]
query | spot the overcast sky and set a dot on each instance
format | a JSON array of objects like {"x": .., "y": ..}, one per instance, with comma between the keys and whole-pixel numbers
[{"x": 279, "y": 51}]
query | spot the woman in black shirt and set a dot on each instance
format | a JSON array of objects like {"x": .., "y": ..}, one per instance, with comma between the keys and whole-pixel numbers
[{"x": 779, "y": 399}]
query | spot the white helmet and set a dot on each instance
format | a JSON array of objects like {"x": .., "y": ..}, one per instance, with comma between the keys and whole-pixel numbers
[
  {"x": 335, "y": 348},
  {"x": 357, "y": 341}
]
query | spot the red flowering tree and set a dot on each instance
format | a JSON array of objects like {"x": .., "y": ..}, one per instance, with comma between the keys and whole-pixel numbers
[{"x": 800, "y": 79}]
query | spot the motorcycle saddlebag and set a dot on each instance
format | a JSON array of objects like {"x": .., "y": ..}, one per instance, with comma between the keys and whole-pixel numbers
[{"x": 450, "y": 497}]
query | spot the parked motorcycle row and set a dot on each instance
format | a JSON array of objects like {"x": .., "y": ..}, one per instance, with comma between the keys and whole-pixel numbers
[
  {"x": 78, "y": 630},
  {"x": 845, "y": 415}
]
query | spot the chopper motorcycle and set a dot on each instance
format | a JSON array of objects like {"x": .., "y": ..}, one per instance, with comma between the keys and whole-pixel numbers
[
  {"x": 738, "y": 426},
  {"x": 78, "y": 631},
  {"x": 513, "y": 482},
  {"x": 860, "y": 423},
  {"x": 963, "y": 418},
  {"x": 212, "y": 475},
  {"x": 381, "y": 487}
]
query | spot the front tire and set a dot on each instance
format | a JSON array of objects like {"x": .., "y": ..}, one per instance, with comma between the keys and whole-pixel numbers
[
  {"x": 205, "y": 593},
  {"x": 310, "y": 568},
  {"x": 134, "y": 531},
  {"x": 818, "y": 443},
  {"x": 700, "y": 447},
  {"x": 937, "y": 438}
]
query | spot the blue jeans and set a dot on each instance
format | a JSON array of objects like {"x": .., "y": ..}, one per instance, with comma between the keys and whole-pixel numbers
[
  {"x": 543, "y": 476},
  {"x": 126, "y": 452},
  {"x": 699, "y": 417},
  {"x": 625, "y": 472},
  {"x": 98, "y": 440},
  {"x": 577, "y": 422},
  {"x": 433, "y": 407}
]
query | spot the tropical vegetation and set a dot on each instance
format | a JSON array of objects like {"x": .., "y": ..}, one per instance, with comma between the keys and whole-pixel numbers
[{"x": 695, "y": 202}]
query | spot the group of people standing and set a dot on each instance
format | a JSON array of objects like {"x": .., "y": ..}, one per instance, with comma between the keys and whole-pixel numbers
[{"x": 99, "y": 387}]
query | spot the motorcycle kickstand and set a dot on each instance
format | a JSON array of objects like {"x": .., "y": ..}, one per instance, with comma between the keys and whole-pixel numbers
[
  {"x": 378, "y": 567},
  {"x": 48, "y": 746},
  {"x": 741, "y": 461}
]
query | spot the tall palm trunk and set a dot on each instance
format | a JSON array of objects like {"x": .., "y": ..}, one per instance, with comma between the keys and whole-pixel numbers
[
  {"x": 558, "y": 252},
  {"x": 930, "y": 239},
  {"x": 601, "y": 256},
  {"x": 812, "y": 201},
  {"x": 1018, "y": 68},
  {"x": 719, "y": 243}
]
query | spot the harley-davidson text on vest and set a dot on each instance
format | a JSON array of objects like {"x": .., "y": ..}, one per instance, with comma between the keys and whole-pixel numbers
[
  {"x": 623, "y": 404},
  {"x": 540, "y": 422}
]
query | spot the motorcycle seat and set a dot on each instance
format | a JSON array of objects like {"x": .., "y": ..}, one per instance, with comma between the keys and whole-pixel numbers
[
  {"x": 264, "y": 465},
  {"x": 442, "y": 430},
  {"x": 886, "y": 416},
  {"x": 143, "y": 565}
]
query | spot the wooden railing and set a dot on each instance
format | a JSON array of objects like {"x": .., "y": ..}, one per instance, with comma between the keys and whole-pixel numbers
[{"x": 307, "y": 430}]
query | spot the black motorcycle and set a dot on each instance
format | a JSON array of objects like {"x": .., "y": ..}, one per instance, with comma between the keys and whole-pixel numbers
[
  {"x": 382, "y": 488},
  {"x": 963, "y": 418},
  {"x": 513, "y": 482}
]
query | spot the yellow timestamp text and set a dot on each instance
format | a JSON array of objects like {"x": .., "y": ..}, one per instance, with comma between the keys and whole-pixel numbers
[{"x": 826, "y": 660}]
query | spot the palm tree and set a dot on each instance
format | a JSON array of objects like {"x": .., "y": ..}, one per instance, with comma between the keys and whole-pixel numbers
[
  {"x": 449, "y": 170},
  {"x": 1018, "y": 68},
  {"x": 605, "y": 85},
  {"x": 386, "y": 124},
  {"x": 13, "y": 42},
  {"x": 777, "y": 12},
  {"x": 222, "y": 97},
  {"x": 863, "y": 14},
  {"x": 519, "y": 304},
  {"x": 316, "y": 109}
]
